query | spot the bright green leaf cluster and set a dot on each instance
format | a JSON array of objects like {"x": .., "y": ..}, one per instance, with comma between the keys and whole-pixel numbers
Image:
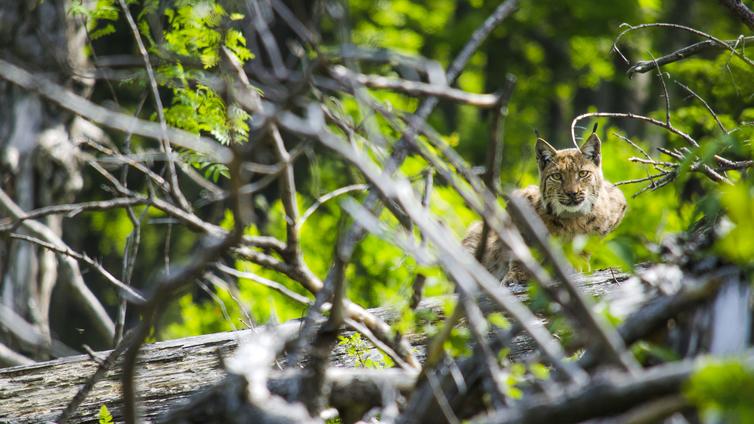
[
  {"x": 737, "y": 233},
  {"x": 723, "y": 389}
]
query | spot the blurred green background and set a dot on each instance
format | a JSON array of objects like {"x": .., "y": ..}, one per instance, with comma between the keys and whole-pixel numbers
[{"x": 561, "y": 54}]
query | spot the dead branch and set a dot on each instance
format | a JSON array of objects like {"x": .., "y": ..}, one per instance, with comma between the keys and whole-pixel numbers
[
  {"x": 643, "y": 66},
  {"x": 608, "y": 396},
  {"x": 710, "y": 38},
  {"x": 416, "y": 88},
  {"x": 69, "y": 266},
  {"x": 167, "y": 372},
  {"x": 708, "y": 171},
  {"x": 175, "y": 189},
  {"x": 739, "y": 10},
  {"x": 102, "y": 116}
]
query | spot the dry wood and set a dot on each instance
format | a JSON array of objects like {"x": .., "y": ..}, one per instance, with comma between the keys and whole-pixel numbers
[{"x": 168, "y": 373}]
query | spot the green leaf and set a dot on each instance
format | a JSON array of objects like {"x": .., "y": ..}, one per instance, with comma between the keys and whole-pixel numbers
[
  {"x": 723, "y": 388},
  {"x": 737, "y": 241},
  {"x": 101, "y": 32},
  {"x": 498, "y": 320},
  {"x": 539, "y": 371},
  {"x": 104, "y": 415}
]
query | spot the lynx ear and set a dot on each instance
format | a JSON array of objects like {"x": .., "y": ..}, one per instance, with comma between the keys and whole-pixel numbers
[
  {"x": 592, "y": 149},
  {"x": 545, "y": 153}
]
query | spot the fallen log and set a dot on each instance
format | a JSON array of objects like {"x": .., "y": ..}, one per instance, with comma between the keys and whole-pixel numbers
[{"x": 169, "y": 373}]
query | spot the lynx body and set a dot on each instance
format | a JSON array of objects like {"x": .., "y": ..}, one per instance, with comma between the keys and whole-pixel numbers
[{"x": 572, "y": 198}]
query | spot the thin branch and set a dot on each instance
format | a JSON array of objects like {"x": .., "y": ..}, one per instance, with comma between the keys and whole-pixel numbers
[
  {"x": 641, "y": 180},
  {"x": 329, "y": 196},
  {"x": 706, "y": 105},
  {"x": 125, "y": 291},
  {"x": 102, "y": 369},
  {"x": 491, "y": 176},
  {"x": 495, "y": 146},
  {"x": 708, "y": 171},
  {"x": 105, "y": 117},
  {"x": 416, "y": 88},
  {"x": 740, "y": 11},
  {"x": 678, "y": 55},
  {"x": 664, "y": 91},
  {"x": 708, "y": 37},
  {"x": 265, "y": 282},
  {"x": 288, "y": 196},
  {"x": 175, "y": 189},
  {"x": 72, "y": 209},
  {"x": 71, "y": 272}
]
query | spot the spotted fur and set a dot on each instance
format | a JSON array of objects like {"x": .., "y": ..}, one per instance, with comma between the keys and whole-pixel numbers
[{"x": 572, "y": 198}]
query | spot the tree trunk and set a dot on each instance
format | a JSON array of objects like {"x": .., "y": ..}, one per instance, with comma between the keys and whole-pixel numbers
[{"x": 38, "y": 163}]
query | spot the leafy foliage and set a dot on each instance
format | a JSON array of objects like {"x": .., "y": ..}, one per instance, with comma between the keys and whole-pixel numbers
[
  {"x": 722, "y": 390},
  {"x": 104, "y": 415}
]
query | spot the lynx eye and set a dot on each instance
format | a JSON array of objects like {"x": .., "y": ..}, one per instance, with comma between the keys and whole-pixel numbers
[
  {"x": 556, "y": 176},
  {"x": 583, "y": 174}
]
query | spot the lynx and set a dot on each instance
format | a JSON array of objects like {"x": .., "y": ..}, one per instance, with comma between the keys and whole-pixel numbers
[{"x": 572, "y": 198}]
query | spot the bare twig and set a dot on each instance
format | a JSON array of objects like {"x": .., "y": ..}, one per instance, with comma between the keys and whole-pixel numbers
[
  {"x": 70, "y": 267},
  {"x": 706, "y": 106},
  {"x": 706, "y": 169},
  {"x": 329, "y": 196},
  {"x": 740, "y": 11},
  {"x": 265, "y": 282},
  {"x": 715, "y": 41},
  {"x": 651, "y": 178},
  {"x": 664, "y": 91},
  {"x": 102, "y": 369},
  {"x": 100, "y": 115},
  {"x": 175, "y": 189},
  {"x": 416, "y": 88},
  {"x": 127, "y": 292},
  {"x": 678, "y": 55},
  {"x": 72, "y": 209}
]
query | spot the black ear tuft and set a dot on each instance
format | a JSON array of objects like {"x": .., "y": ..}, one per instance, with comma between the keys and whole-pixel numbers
[
  {"x": 592, "y": 149},
  {"x": 594, "y": 129},
  {"x": 545, "y": 153}
]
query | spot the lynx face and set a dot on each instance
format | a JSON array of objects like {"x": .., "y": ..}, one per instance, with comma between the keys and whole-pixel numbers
[{"x": 570, "y": 179}]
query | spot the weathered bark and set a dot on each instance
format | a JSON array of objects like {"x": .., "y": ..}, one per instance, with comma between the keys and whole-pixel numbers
[
  {"x": 170, "y": 373},
  {"x": 37, "y": 158}
]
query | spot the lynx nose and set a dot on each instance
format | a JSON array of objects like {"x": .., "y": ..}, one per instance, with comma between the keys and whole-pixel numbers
[{"x": 573, "y": 197}]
